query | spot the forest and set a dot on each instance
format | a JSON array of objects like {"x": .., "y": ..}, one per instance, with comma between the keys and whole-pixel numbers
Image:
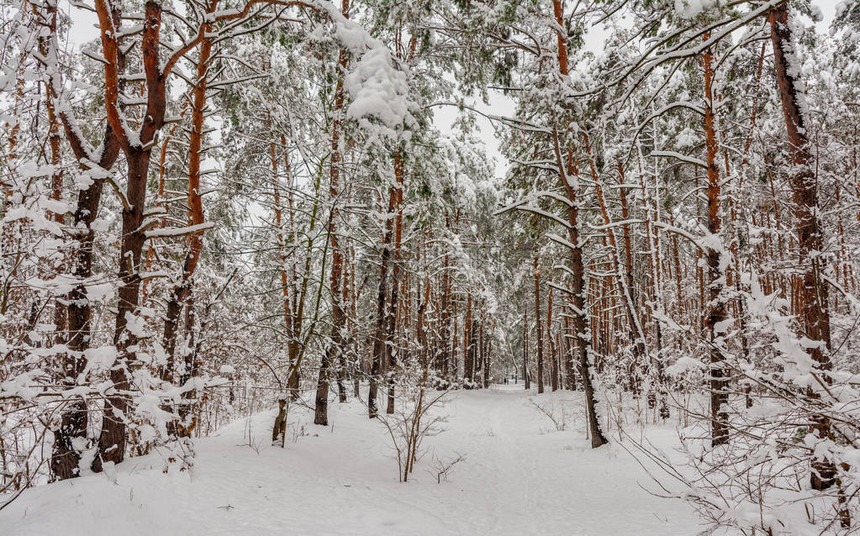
[{"x": 429, "y": 267}]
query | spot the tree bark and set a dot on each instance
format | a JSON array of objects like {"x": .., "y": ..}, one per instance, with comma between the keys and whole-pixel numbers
[
  {"x": 716, "y": 307},
  {"x": 394, "y": 303},
  {"x": 468, "y": 356},
  {"x": 580, "y": 322},
  {"x": 338, "y": 318},
  {"x": 138, "y": 151},
  {"x": 538, "y": 327},
  {"x": 380, "y": 347},
  {"x": 812, "y": 291},
  {"x": 74, "y": 418},
  {"x": 526, "y": 377},
  {"x": 553, "y": 348}
]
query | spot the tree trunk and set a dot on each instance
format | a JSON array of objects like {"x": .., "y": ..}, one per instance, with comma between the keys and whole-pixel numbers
[
  {"x": 526, "y": 377},
  {"x": 553, "y": 348},
  {"x": 468, "y": 356},
  {"x": 336, "y": 338},
  {"x": 716, "y": 308},
  {"x": 538, "y": 327},
  {"x": 180, "y": 294},
  {"x": 74, "y": 418},
  {"x": 113, "y": 438},
  {"x": 138, "y": 151},
  {"x": 394, "y": 302},
  {"x": 569, "y": 361},
  {"x": 577, "y": 305},
  {"x": 812, "y": 291},
  {"x": 380, "y": 346},
  {"x": 580, "y": 323}
]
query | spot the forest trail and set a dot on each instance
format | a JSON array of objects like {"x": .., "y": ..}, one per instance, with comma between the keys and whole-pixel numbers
[{"x": 342, "y": 480}]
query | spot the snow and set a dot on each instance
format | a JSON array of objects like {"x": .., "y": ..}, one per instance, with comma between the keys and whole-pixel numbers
[
  {"x": 690, "y": 9},
  {"x": 683, "y": 365},
  {"x": 100, "y": 359},
  {"x": 378, "y": 89},
  {"x": 179, "y": 231},
  {"x": 520, "y": 476}
]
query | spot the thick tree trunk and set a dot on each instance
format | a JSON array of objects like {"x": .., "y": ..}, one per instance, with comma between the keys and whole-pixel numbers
[
  {"x": 138, "y": 151},
  {"x": 71, "y": 433},
  {"x": 813, "y": 291},
  {"x": 113, "y": 436},
  {"x": 74, "y": 419}
]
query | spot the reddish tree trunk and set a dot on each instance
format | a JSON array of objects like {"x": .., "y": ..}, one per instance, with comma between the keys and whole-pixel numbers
[
  {"x": 112, "y": 440},
  {"x": 812, "y": 292}
]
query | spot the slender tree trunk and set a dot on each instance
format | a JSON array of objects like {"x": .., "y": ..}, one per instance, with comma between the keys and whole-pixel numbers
[
  {"x": 181, "y": 292},
  {"x": 526, "y": 377},
  {"x": 468, "y": 356},
  {"x": 445, "y": 329},
  {"x": 553, "y": 348},
  {"x": 569, "y": 362},
  {"x": 487, "y": 353},
  {"x": 380, "y": 347},
  {"x": 538, "y": 327},
  {"x": 577, "y": 305},
  {"x": 716, "y": 308},
  {"x": 336, "y": 342},
  {"x": 624, "y": 281},
  {"x": 394, "y": 303},
  {"x": 580, "y": 323},
  {"x": 48, "y": 21}
]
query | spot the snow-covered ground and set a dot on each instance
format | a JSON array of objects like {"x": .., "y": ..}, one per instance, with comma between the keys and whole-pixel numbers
[{"x": 520, "y": 476}]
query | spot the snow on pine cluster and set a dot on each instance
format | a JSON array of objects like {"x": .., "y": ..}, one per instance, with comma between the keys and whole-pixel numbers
[
  {"x": 689, "y": 9},
  {"x": 378, "y": 89},
  {"x": 378, "y": 86}
]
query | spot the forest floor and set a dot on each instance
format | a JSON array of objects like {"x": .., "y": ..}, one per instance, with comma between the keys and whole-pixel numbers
[{"x": 520, "y": 476}]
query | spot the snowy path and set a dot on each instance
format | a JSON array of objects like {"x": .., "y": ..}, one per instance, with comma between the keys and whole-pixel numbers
[{"x": 520, "y": 477}]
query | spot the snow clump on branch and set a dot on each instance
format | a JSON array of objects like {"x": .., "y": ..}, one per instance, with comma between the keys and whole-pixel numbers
[
  {"x": 378, "y": 85},
  {"x": 379, "y": 90}
]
